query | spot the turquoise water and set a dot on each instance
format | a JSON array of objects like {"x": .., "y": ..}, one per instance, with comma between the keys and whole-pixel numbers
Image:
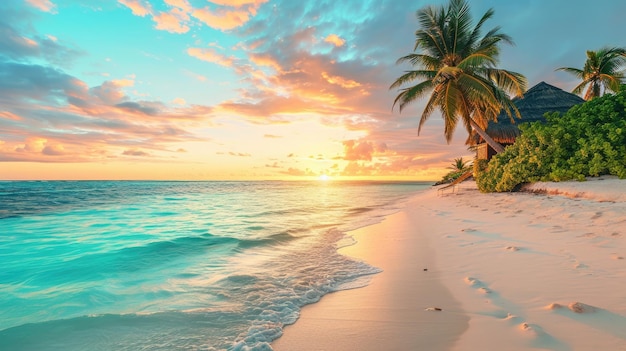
[{"x": 175, "y": 265}]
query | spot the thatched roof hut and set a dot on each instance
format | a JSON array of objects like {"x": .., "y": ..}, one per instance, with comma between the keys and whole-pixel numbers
[{"x": 538, "y": 100}]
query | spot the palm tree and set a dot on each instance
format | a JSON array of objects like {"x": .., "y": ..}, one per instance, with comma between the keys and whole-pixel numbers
[
  {"x": 457, "y": 169},
  {"x": 459, "y": 165},
  {"x": 601, "y": 73},
  {"x": 457, "y": 66}
]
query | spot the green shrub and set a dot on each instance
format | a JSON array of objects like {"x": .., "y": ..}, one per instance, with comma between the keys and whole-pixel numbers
[{"x": 588, "y": 140}]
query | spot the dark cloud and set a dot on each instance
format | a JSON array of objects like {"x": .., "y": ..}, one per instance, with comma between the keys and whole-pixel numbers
[
  {"x": 239, "y": 154},
  {"x": 137, "y": 107},
  {"x": 135, "y": 152},
  {"x": 22, "y": 81}
]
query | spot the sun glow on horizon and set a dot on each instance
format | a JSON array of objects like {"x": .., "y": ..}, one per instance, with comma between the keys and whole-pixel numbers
[{"x": 324, "y": 177}]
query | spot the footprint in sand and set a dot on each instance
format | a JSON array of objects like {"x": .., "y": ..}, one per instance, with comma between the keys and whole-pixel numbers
[
  {"x": 533, "y": 329},
  {"x": 484, "y": 290},
  {"x": 512, "y": 248},
  {"x": 558, "y": 229},
  {"x": 473, "y": 282},
  {"x": 513, "y": 319},
  {"x": 576, "y": 307},
  {"x": 478, "y": 285},
  {"x": 616, "y": 256}
]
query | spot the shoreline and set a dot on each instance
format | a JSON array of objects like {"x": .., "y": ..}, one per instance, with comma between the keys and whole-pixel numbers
[
  {"x": 515, "y": 271},
  {"x": 397, "y": 307}
]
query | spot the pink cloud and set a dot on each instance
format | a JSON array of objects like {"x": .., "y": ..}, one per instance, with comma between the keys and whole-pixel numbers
[
  {"x": 110, "y": 92},
  {"x": 43, "y": 5},
  {"x": 179, "y": 101},
  {"x": 135, "y": 152},
  {"x": 362, "y": 150},
  {"x": 335, "y": 40},
  {"x": 9, "y": 115},
  {"x": 53, "y": 150}
]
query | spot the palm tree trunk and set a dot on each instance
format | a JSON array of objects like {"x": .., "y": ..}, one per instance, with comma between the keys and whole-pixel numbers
[{"x": 494, "y": 144}]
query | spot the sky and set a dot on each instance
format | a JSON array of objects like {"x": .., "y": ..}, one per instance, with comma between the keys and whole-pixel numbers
[{"x": 248, "y": 89}]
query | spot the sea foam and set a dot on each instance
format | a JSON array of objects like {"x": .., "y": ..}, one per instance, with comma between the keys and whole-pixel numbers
[{"x": 175, "y": 265}]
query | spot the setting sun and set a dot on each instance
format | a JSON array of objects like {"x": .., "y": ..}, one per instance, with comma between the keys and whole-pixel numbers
[{"x": 324, "y": 177}]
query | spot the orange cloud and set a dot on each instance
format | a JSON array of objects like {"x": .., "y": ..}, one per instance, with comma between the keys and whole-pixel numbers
[
  {"x": 173, "y": 22},
  {"x": 222, "y": 19},
  {"x": 32, "y": 144},
  {"x": 138, "y": 7},
  {"x": 335, "y": 40},
  {"x": 362, "y": 150},
  {"x": 238, "y": 3},
  {"x": 342, "y": 82},
  {"x": 265, "y": 60},
  {"x": 181, "y": 4},
  {"x": 43, "y": 5},
  {"x": 211, "y": 55},
  {"x": 298, "y": 172},
  {"x": 239, "y": 154}
]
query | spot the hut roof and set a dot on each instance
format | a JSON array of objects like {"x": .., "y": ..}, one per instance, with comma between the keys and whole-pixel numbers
[{"x": 538, "y": 100}]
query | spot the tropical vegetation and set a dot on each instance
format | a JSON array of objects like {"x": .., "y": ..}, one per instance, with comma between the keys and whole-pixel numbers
[
  {"x": 588, "y": 140},
  {"x": 457, "y": 169},
  {"x": 457, "y": 66},
  {"x": 602, "y": 72}
]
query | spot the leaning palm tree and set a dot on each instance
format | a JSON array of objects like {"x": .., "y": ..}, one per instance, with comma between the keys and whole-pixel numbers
[
  {"x": 456, "y": 65},
  {"x": 602, "y": 72}
]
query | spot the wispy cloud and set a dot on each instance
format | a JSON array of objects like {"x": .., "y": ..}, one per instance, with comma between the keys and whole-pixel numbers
[
  {"x": 211, "y": 55},
  {"x": 138, "y": 7},
  {"x": 43, "y": 5}
]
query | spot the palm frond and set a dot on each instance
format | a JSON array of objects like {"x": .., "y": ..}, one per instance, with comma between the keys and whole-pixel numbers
[
  {"x": 575, "y": 71},
  {"x": 421, "y": 60},
  {"x": 580, "y": 87},
  {"x": 411, "y": 76},
  {"x": 428, "y": 109},
  {"x": 409, "y": 95}
]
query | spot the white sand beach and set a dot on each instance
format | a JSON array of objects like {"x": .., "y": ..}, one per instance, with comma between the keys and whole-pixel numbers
[{"x": 509, "y": 271}]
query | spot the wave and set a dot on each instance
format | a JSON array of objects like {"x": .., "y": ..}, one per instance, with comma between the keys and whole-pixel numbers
[
  {"x": 173, "y": 330},
  {"x": 275, "y": 239}
]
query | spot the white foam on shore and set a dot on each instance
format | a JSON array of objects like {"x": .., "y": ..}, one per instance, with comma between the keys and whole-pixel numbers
[{"x": 529, "y": 271}]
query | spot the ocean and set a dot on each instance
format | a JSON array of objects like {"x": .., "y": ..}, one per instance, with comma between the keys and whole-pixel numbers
[{"x": 143, "y": 265}]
